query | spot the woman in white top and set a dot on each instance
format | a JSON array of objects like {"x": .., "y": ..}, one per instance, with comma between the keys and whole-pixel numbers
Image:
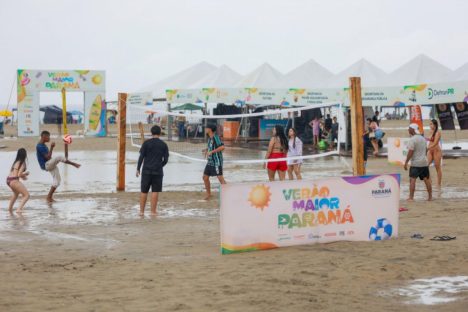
[{"x": 294, "y": 150}]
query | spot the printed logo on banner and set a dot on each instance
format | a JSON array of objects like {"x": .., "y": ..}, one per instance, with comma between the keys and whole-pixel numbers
[
  {"x": 381, "y": 231},
  {"x": 432, "y": 93},
  {"x": 382, "y": 191},
  {"x": 317, "y": 207}
]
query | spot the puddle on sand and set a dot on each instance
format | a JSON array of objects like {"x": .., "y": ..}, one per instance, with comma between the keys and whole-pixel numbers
[
  {"x": 41, "y": 219},
  {"x": 172, "y": 212},
  {"x": 432, "y": 291},
  {"x": 447, "y": 192},
  {"x": 98, "y": 174}
]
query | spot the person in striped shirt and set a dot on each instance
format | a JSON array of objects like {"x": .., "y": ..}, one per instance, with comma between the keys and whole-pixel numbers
[{"x": 214, "y": 156}]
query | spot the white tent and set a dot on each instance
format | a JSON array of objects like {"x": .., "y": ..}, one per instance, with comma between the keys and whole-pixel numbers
[
  {"x": 460, "y": 74},
  {"x": 223, "y": 77},
  {"x": 264, "y": 76},
  {"x": 421, "y": 69},
  {"x": 370, "y": 74},
  {"x": 308, "y": 75},
  {"x": 181, "y": 80}
]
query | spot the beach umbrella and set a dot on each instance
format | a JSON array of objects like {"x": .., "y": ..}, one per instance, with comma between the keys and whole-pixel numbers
[
  {"x": 5, "y": 113},
  {"x": 187, "y": 107}
]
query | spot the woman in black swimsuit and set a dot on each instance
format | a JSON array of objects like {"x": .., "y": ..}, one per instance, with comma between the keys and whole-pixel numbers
[{"x": 17, "y": 172}]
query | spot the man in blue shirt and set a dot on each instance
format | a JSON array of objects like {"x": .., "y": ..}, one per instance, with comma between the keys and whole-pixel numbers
[
  {"x": 49, "y": 163},
  {"x": 214, "y": 155}
]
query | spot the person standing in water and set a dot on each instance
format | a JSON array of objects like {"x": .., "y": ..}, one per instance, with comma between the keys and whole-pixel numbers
[
  {"x": 315, "y": 125},
  {"x": 49, "y": 163},
  {"x": 214, "y": 156},
  {"x": 154, "y": 155},
  {"x": 417, "y": 156},
  {"x": 434, "y": 152},
  {"x": 17, "y": 173},
  {"x": 277, "y": 148},
  {"x": 294, "y": 150}
]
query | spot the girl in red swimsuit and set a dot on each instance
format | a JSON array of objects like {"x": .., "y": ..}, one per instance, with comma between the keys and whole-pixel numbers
[
  {"x": 17, "y": 172},
  {"x": 277, "y": 148},
  {"x": 434, "y": 152}
]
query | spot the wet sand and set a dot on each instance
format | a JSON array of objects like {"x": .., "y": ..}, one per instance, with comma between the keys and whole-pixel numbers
[{"x": 91, "y": 252}]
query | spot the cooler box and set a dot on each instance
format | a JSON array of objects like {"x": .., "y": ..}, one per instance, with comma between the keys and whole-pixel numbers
[{"x": 230, "y": 129}]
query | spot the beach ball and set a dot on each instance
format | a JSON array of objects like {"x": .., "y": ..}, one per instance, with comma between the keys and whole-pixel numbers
[
  {"x": 97, "y": 79},
  {"x": 67, "y": 139}
]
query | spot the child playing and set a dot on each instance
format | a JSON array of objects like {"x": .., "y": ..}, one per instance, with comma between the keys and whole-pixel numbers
[
  {"x": 17, "y": 172},
  {"x": 47, "y": 163}
]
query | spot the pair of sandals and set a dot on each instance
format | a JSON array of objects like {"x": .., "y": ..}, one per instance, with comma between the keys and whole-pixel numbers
[
  {"x": 435, "y": 238},
  {"x": 443, "y": 238}
]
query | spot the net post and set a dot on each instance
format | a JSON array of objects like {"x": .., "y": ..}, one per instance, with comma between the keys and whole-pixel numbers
[
  {"x": 205, "y": 119},
  {"x": 122, "y": 125},
  {"x": 357, "y": 126},
  {"x": 169, "y": 123},
  {"x": 64, "y": 118},
  {"x": 142, "y": 132},
  {"x": 338, "y": 144}
]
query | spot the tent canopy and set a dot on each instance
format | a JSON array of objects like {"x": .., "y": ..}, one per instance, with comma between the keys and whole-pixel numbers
[
  {"x": 370, "y": 74},
  {"x": 264, "y": 76},
  {"x": 181, "y": 80},
  {"x": 461, "y": 74},
  {"x": 308, "y": 75},
  {"x": 53, "y": 114},
  {"x": 187, "y": 107},
  {"x": 421, "y": 69},
  {"x": 223, "y": 77}
]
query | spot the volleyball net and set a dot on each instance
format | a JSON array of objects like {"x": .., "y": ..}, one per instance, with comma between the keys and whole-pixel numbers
[{"x": 245, "y": 131}]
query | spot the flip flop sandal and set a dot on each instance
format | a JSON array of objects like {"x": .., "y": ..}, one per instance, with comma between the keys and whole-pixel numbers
[
  {"x": 417, "y": 236},
  {"x": 403, "y": 209},
  {"x": 443, "y": 238}
]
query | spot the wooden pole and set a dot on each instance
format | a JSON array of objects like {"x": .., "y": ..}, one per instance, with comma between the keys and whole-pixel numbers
[
  {"x": 357, "y": 126},
  {"x": 122, "y": 125},
  {"x": 64, "y": 119},
  {"x": 142, "y": 132},
  {"x": 169, "y": 123}
]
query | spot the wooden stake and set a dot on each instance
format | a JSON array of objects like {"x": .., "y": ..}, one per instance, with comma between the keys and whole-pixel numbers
[
  {"x": 64, "y": 118},
  {"x": 357, "y": 126},
  {"x": 122, "y": 125},
  {"x": 142, "y": 132}
]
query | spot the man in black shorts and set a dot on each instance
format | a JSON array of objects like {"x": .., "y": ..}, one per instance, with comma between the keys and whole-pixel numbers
[
  {"x": 154, "y": 155},
  {"x": 214, "y": 155},
  {"x": 419, "y": 166}
]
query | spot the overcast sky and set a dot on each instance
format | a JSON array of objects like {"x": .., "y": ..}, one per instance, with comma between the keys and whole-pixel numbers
[{"x": 138, "y": 42}]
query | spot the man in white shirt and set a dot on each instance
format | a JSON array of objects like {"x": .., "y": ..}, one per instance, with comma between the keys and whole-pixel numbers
[{"x": 419, "y": 168}]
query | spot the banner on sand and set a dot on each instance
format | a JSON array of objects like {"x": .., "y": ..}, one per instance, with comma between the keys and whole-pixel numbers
[
  {"x": 257, "y": 216},
  {"x": 462, "y": 114},
  {"x": 416, "y": 117},
  {"x": 444, "y": 113},
  {"x": 397, "y": 150}
]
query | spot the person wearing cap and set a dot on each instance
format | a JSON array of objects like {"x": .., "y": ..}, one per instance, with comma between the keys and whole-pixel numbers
[
  {"x": 214, "y": 156},
  {"x": 419, "y": 167}
]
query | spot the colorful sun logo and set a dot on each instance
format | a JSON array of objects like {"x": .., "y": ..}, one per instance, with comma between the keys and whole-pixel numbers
[{"x": 259, "y": 196}]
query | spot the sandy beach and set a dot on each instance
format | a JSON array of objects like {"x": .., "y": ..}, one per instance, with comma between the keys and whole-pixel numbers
[{"x": 91, "y": 252}]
